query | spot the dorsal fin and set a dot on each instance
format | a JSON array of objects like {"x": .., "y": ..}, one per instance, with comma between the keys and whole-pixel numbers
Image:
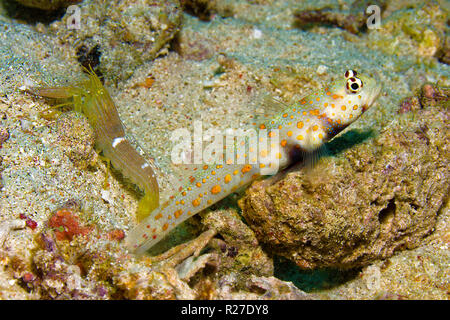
[{"x": 266, "y": 109}]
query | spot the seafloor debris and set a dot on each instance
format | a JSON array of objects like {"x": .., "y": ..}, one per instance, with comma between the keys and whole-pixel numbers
[
  {"x": 197, "y": 50},
  {"x": 433, "y": 95},
  {"x": 59, "y": 279},
  {"x": 96, "y": 268},
  {"x": 409, "y": 104},
  {"x": 430, "y": 95},
  {"x": 7, "y": 226},
  {"x": 30, "y": 223},
  {"x": 374, "y": 199}
]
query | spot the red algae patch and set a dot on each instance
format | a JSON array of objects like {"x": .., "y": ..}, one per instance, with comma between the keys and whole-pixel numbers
[
  {"x": 66, "y": 225},
  {"x": 116, "y": 234}
]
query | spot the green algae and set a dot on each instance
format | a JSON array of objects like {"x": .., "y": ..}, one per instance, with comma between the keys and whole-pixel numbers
[{"x": 418, "y": 31}]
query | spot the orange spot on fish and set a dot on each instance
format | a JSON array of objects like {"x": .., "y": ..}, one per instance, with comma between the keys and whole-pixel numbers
[
  {"x": 216, "y": 189},
  {"x": 246, "y": 168},
  {"x": 177, "y": 213}
]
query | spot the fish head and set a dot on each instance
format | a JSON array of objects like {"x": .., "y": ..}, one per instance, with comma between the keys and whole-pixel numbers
[{"x": 348, "y": 98}]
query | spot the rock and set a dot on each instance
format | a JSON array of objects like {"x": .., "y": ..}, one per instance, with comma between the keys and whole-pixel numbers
[
  {"x": 444, "y": 52},
  {"x": 240, "y": 249},
  {"x": 259, "y": 288},
  {"x": 127, "y": 33},
  {"x": 352, "y": 20},
  {"x": 205, "y": 9},
  {"x": 374, "y": 199},
  {"x": 47, "y": 4},
  {"x": 419, "y": 31}
]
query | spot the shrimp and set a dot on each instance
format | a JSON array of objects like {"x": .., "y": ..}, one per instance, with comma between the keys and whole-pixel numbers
[{"x": 92, "y": 99}]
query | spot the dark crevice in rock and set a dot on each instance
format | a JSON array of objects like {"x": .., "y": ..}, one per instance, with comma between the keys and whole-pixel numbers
[
  {"x": 21, "y": 13},
  {"x": 387, "y": 214},
  {"x": 312, "y": 280}
]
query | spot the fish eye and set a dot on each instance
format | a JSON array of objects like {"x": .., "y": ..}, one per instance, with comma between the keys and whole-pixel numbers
[
  {"x": 354, "y": 85},
  {"x": 350, "y": 74}
]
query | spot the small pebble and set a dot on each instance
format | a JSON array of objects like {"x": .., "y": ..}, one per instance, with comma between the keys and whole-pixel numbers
[
  {"x": 428, "y": 91},
  {"x": 257, "y": 34},
  {"x": 321, "y": 70}
]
